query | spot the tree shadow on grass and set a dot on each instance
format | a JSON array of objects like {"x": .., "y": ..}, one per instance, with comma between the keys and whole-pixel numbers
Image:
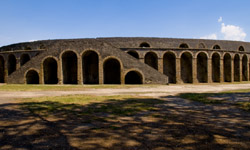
[{"x": 113, "y": 124}]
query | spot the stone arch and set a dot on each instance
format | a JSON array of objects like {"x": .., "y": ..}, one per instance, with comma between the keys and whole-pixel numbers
[
  {"x": 241, "y": 48},
  {"x": 202, "y": 67},
  {"x": 50, "y": 73},
  {"x": 201, "y": 45},
  {"x": 186, "y": 67},
  {"x": 227, "y": 67},
  {"x": 184, "y": 45},
  {"x": 69, "y": 67},
  {"x": 151, "y": 59},
  {"x": 11, "y": 63},
  {"x": 169, "y": 66},
  {"x": 244, "y": 68},
  {"x": 216, "y": 46},
  {"x": 133, "y": 77},
  {"x": 2, "y": 68},
  {"x": 216, "y": 67},
  {"x": 237, "y": 68},
  {"x": 24, "y": 58},
  {"x": 133, "y": 53},
  {"x": 32, "y": 77},
  {"x": 144, "y": 44},
  {"x": 90, "y": 67},
  {"x": 112, "y": 71}
]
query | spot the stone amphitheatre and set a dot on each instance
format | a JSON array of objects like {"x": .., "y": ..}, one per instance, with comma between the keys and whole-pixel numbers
[{"x": 124, "y": 61}]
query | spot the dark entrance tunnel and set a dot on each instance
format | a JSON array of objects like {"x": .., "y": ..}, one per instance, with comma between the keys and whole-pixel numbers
[
  {"x": 133, "y": 77},
  {"x": 32, "y": 77},
  {"x": 2, "y": 74},
  {"x": 151, "y": 59},
  {"x": 24, "y": 59},
  {"x": 11, "y": 64},
  {"x": 50, "y": 71},
  {"x": 186, "y": 68},
  {"x": 227, "y": 68},
  {"x": 169, "y": 66},
  {"x": 90, "y": 69},
  {"x": 244, "y": 68},
  {"x": 216, "y": 67},
  {"x": 202, "y": 74},
  {"x": 112, "y": 71},
  {"x": 237, "y": 68},
  {"x": 69, "y": 67}
]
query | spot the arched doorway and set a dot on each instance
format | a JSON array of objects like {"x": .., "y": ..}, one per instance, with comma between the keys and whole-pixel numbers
[
  {"x": 69, "y": 67},
  {"x": 202, "y": 68},
  {"x": 237, "y": 68},
  {"x": 151, "y": 59},
  {"x": 11, "y": 64},
  {"x": 186, "y": 68},
  {"x": 244, "y": 68},
  {"x": 90, "y": 67},
  {"x": 24, "y": 58},
  {"x": 133, "y": 77},
  {"x": 216, "y": 67},
  {"x": 169, "y": 66},
  {"x": 112, "y": 71},
  {"x": 32, "y": 77},
  {"x": 227, "y": 68},
  {"x": 134, "y": 54},
  {"x": 50, "y": 71},
  {"x": 2, "y": 74}
]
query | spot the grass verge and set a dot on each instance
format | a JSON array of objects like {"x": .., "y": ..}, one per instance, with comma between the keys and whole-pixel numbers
[{"x": 201, "y": 97}]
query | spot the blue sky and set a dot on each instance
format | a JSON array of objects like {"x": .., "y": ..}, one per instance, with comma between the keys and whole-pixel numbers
[{"x": 28, "y": 20}]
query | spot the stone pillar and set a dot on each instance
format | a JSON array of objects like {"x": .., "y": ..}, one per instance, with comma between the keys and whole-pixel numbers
[
  {"x": 101, "y": 78},
  {"x": 160, "y": 65},
  {"x": 194, "y": 73},
  {"x": 221, "y": 70},
  {"x": 141, "y": 60},
  {"x": 248, "y": 73},
  {"x": 18, "y": 63},
  {"x": 6, "y": 72},
  {"x": 60, "y": 72},
  {"x": 178, "y": 71},
  {"x": 79, "y": 71},
  {"x": 41, "y": 74},
  {"x": 209, "y": 70},
  {"x": 232, "y": 70},
  {"x": 122, "y": 76},
  {"x": 240, "y": 69}
]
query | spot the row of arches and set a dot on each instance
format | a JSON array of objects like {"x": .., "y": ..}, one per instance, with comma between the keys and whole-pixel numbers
[{"x": 90, "y": 70}]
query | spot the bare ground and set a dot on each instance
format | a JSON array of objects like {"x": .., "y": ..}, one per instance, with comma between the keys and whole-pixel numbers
[{"x": 173, "y": 123}]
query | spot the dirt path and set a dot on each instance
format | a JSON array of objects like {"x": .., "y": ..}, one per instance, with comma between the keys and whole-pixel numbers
[{"x": 156, "y": 91}]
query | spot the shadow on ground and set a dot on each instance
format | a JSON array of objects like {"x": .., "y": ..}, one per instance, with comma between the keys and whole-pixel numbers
[{"x": 168, "y": 122}]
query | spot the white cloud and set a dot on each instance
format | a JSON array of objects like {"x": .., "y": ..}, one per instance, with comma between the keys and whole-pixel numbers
[
  {"x": 232, "y": 32},
  {"x": 220, "y": 19},
  {"x": 210, "y": 36}
]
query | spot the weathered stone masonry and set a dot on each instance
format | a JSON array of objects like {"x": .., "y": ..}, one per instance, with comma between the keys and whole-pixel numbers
[{"x": 125, "y": 61}]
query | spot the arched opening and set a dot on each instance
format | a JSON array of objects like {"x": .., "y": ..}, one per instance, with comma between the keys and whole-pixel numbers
[
  {"x": 216, "y": 67},
  {"x": 2, "y": 74},
  {"x": 227, "y": 67},
  {"x": 201, "y": 45},
  {"x": 90, "y": 67},
  {"x": 244, "y": 68},
  {"x": 169, "y": 66},
  {"x": 24, "y": 58},
  {"x": 112, "y": 71},
  {"x": 186, "y": 68},
  {"x": 216, "y": 47},
  {"x": 202, "y": 68},
  {"x": 241, "y": 48},
  {"x": 236, "y": 68},
  {"x": 184, "y": 45},
  {"x": 144, "y": 44},
  {"x": 32, "y": 77},
  {"x": 151, "y": 59},
  {"x": 50, "y": 71},
  {"x": 133, "y": 77},
  {"x": 11, "y": 64},
  {"x": 134, "y": 54},
  {"x": 69, "y": 67}
]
